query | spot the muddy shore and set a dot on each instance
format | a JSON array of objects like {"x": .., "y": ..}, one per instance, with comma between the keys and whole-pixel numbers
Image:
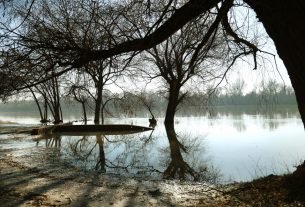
[{"x": 25, "y": 186}]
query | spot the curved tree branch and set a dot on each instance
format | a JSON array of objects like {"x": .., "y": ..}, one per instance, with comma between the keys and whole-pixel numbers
[
  {"x": 186, "y": 13},
  {"x": 239, "y": 40}
]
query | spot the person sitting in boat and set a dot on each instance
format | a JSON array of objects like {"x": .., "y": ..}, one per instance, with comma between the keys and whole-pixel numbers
[{"x": 152, "y": 122}]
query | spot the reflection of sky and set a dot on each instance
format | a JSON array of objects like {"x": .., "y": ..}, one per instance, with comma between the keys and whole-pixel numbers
[
  {"x": 258, "y": 149},
  {"x": 242, "y": 147}
]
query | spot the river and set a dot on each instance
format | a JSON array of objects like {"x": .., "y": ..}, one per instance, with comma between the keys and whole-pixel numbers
[{"x": 227, "y": 146}]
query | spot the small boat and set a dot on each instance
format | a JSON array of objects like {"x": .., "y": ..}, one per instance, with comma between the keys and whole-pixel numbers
[{"x": 110, "y": 129}]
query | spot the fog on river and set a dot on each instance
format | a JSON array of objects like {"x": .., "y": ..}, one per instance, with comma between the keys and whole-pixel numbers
[{"x": 232, "y": 144}]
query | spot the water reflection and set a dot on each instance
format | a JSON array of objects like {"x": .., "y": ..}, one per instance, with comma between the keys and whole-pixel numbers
[
  {"x": 237, "y": 139},
  {"x": 240, "y": 125},
  {"x": 272, "y": 124},
  {"x": 120, "y": 154},
  {"x": 177, "y": 167},
  {"x": 280, "y": 112},
  {"x": 51, "y": 140},
  {"x": 140, "y": 155},
  {"x": 188, "y": 159},
  {"x": 242, "y": 122},
  {"x": 101, "y": 163}
]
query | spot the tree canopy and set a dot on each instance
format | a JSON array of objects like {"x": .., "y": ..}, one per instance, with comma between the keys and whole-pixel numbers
[{"x": 36, "y": 32}]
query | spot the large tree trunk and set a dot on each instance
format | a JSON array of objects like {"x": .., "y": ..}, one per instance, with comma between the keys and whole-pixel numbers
[
  {"x": 57, "y": 115},
  {"x": 103, "y": 113},
  {"x": 97, "y": 111},
  {"x": 173, "y": 101},
  {"x": 284, "y": 22}
]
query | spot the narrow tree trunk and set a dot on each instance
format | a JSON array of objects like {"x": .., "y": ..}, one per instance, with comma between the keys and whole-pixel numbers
[
  {"x": 84, "y": 112},
  {"x": 97, "y": 110},
  {"x": 284, "y": 22},
  {"x": 103, "y": 109},
  {"x": 102, "y": 113},
  {"x": 50, "y": 106},
  {"x": 45, "y": 110},
  {"x": 38, "y": 106},
  {"x": 61, "y": 115},
  {"x": 173, "y": 101}
]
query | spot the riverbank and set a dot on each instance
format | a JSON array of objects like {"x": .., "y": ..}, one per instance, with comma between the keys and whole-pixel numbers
[{"x": 25, "y": 186}]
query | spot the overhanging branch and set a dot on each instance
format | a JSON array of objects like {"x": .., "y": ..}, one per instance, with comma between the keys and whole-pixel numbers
[
  {"x": 239, "y": 40},
  {"x": 186, "y": 13},
  {"x": 221, "y": 14}
]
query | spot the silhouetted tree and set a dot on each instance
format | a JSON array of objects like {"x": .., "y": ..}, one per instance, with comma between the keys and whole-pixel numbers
[{"x": 161, "y": 27}]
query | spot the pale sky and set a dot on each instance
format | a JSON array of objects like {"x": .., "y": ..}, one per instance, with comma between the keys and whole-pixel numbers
[
  {"x": 268, "y": 68},
  {"x": 265, "y": 72}
]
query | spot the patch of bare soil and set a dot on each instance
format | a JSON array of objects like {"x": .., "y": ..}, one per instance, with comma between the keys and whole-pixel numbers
[
  {"x": 21, "y": 185},
  {"x": 271, "y": 191}
]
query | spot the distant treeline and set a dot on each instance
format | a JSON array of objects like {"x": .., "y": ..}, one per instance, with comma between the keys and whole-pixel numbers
[
  {"x": 266, "y": 93},
  {"x": 136, "y": 104},
  {"x": 282, "y": 97}
]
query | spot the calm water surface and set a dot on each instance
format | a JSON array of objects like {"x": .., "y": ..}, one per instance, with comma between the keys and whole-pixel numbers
[{"x": 239, "y": 146}]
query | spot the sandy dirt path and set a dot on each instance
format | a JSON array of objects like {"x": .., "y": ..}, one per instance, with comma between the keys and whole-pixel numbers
[{"x": 21, "y": 185}]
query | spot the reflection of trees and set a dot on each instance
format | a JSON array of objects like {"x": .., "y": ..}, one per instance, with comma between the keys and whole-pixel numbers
[
  {"x": 136, "y": 154},
  {"x": 120, "y": 154},
  {"x": 84, "y": 149},
  {"x": 131, "y": 154},
  {"x": 101, "y": 163},
  {"x": 272, "y": 124},
  {"x": 177, "y": 166},
  {"x": 239, "y": 111},
  {"x": 240, "y": 125},
  {"x": 186, "y": 159},
  {"x": 51, "y": 140},
  {"x": 268, "y": 119}
]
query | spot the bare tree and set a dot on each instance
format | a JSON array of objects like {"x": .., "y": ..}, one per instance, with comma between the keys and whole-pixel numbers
[
  {"x": 282, "y": 20},
  {"x": 186, "y": 56},
  {"x": 102, "y": 73},
  {"x": 80, "y": 96},
  {"x": 50, "y": 91},
  {"x": 149, "y": 104},
  {"x": 43, "y": 114},
  {"x": 169, "y": 19},
  {"x": 268, "y": 94}
]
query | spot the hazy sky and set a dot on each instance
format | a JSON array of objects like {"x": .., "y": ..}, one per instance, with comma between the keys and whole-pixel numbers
[
  {"x": 268, "y": 68},
  {"x": 268, "y": 71}
]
